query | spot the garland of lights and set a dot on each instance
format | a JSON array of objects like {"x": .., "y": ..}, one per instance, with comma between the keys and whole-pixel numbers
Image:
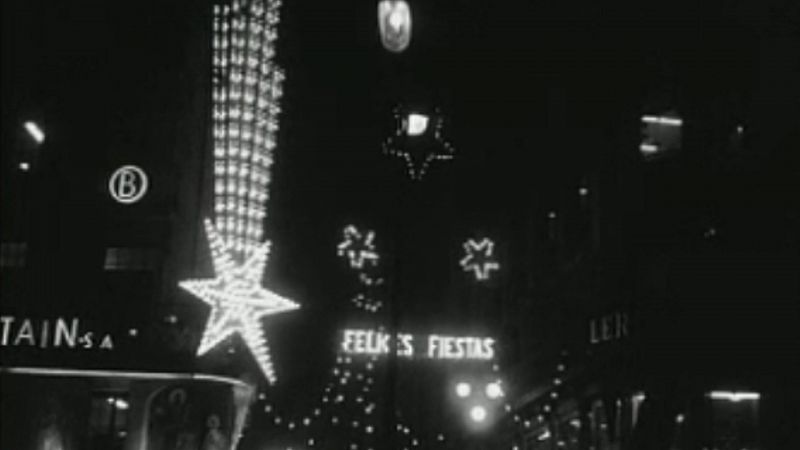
[
  {"x": 246, "y": 94},
  {"x": 412, "y": 136},
  {"x": 347, "y": 405},
  {"x": 479, "y": 258},
  {"x": 542, "y": 416}
]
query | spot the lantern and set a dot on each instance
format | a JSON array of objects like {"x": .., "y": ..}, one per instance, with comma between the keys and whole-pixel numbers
[{"x": 394, "y": 21}]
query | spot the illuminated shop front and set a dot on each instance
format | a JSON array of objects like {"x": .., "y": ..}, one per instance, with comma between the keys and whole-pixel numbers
[
  {"x": 72, "y": 409},
  {"x": 611, "y": 397},
  {"x": 73, "y": 383}
]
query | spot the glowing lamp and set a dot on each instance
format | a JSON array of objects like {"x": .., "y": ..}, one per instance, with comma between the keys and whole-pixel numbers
[
  {"x": 494, "y": 390},
  {"x": 477, "y": 413},
  {"x": 394, "y": 22},
  {"x": 463, "y": 389},
  {"x": 416, "y": 124}
]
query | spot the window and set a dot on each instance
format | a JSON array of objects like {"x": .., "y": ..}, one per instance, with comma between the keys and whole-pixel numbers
[
  {"x": 661, "y": 134},
  {"x": 108, "y": 420},
  {"x": 123, "y": 258},
  {"x": 734, "y": 420},
  {"x": 13, "y": 254}
]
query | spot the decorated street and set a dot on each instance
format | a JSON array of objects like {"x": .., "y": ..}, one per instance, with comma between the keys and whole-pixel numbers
[{"x": 399, "y": 225}]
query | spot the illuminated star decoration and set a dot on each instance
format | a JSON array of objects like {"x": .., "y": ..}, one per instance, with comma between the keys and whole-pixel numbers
[
  {"x": 237, "y": 300},
  {"x": 417, "y": 142},
  {"x": 358, "y": 247},
  {"x": 246, "y": 92},
  {"x": 479, "y": 258}
]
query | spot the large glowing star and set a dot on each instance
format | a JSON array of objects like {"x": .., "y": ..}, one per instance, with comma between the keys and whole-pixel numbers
[
  {"x": 237, "y": 299},
  {"x": 419, "y": 141},
  {"x": 358, "y": 247},
  {"x": 394, "y": 21},
  {"x": 479, "y": 258}
]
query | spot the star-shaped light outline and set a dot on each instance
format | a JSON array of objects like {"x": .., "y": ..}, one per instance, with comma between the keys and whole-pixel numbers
[
  {"x": 238, "y": 300},
  {"x": 415, "y": 171},
  {"x": 357, "y": 247},
  {"x": 479, "y": 258}
]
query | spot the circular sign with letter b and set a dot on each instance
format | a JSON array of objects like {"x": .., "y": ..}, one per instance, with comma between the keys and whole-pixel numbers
[{"x": 128, "y": 184}]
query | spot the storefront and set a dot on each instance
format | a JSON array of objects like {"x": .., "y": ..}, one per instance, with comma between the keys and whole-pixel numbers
[
  {"x": 66, "y": 386},
  {"x": 620, "y": 394}
]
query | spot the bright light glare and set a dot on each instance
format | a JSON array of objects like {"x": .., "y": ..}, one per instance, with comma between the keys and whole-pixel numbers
[
  {"x": 477, "y": 413},
  {"x": 24, "y": 166},
  {"x": 396, "y": 20},
  {"x": 648, "y": 148},
  {"x": 544, "y": 436},
  {"x": 734, "y": 396},
  {"x": 494, "y": 390},
  {"x": 671, "y": 121},
  {"x": 36, "y": 133},
  {"x": 417, "y": 124},
  {"x": 463, "y": 389}
]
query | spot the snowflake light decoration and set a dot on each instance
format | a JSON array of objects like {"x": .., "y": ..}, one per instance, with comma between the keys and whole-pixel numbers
[
  {"x": 367, "y": 303},
  {"x": 237, "y": 299},
  {"x": 358, "y": 247},
  {"x": 479, "y": 258},
  {"x": 417, "y": 142},
  {"x": 246, "y": 93}
]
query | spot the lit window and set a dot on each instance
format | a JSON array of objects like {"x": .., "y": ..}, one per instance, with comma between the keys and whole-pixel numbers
[
  {"x": 13, "y": 254},
  {"x": 734, "y": 419},
  {"x": 108, "y": 420},
  {"x": 122, "y": 258},
  {"x": 661, "y": 134}
]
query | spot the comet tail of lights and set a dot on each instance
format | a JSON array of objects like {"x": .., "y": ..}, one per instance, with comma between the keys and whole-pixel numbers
[
  {"x": 246, "y": 86},
  {"x": 418, "y": 140},
  {"x": 246, "y": 95},
  {"x": 394, "y": 22}
]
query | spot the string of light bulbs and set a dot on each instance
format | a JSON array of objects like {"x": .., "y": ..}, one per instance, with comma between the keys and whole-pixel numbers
[
  {"x": 418, "y": 142},
  {"x": 246, "y": 91}
]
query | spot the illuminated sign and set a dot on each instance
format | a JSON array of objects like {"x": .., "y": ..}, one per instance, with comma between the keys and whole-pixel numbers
[
  {"x": 44, "y": 333},
  {"x": 433, "y": 346},
  {"x": 128, "y": 184},
  {"x": 610, "y": 327}
]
